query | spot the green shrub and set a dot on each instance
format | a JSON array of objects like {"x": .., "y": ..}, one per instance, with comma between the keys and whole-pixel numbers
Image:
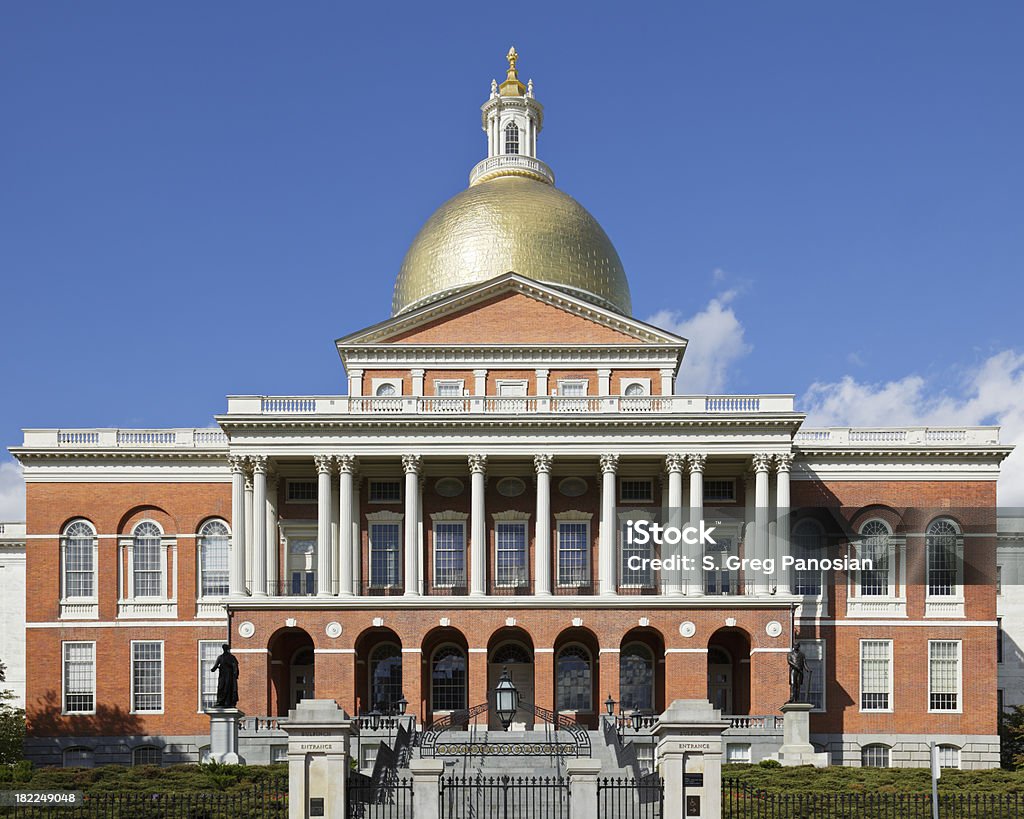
[{"x": 769, "y": 763}]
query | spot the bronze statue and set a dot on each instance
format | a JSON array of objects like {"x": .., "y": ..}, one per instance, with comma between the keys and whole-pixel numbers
[
  {"x": 227, "y": 679},
  {"x": 797, "y": 669}
]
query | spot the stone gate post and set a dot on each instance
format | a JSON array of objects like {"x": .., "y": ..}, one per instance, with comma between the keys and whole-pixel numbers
[
  {"x": 689, "y": 755},
  {"x": 582, "y": 775},
  {"x": 318, "y": 739}
]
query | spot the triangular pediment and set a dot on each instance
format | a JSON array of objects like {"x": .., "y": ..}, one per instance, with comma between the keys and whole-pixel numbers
[{"x": 511, "y": 310}]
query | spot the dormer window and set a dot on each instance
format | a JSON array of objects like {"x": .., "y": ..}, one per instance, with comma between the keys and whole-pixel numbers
[
  {"x": 386, "y": 390},
  {"x": 511, "y": 138}
]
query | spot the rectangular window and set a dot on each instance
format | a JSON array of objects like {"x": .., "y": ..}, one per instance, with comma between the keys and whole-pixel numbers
[
  {"x": 719, "y": 490},
  {"x": 448, "y": 389},
  {"x": 214, "y": 551},
  {"x": 737, "y": 752},
  {"x": 300, "y": 491},
  {"x": 636, "y": 490},
  {"x": 147, "y": 676},
  {"x": 79, "y": 678},
  {"x": 78, "y": 567},
  {"x": 385, "y": 554},
  {"x": 385, "y": 491},
  {"x": 721, "y": 580},
  {"x": 510, "y": 554},
  {"x": 639, "y": 556},
  {"x": 449, "y": 554},
  {"x": 209, "y": 650},
  {"x": 814, "y": 651},
  {"x": 943, "y": 675},
  {"x": 572, "y": 388},
  {"x": 875, "y": 675},
  {"x": 573, "y": 546},
  {"x": 147, "y": 560}
]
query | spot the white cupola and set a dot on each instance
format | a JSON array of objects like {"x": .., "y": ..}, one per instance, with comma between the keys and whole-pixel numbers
[{"x": 512, "y": 119}]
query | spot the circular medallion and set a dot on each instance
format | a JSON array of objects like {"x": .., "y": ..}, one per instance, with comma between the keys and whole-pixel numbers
[
  {"x": 333, "y": 629},
  {"x": 572, "y": 487},
  {"x": 511, "y": 487},
  {"x": 773, "y": 629},
  {"x": 687, "y": 629},
  {"x": 246, "y": 629}
]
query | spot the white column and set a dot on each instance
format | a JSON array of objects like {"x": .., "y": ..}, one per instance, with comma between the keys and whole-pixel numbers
[
  {"x": 412, "y": 464},
  {"x": 335, "y": 531},
  {"x": 762, "y": 466},
  {"x": 667, "y": 388},
  {"x": 357, "y": 536},
  {"x": 417, "y": 381},
  {"x": 672, "y": 580},
  {"x": 480, "y": 382},
  {"x": 355, "y": 383},
  {"x": 604, "y": 382},
  {"x": 248, "y": 527},
  {"x": 236, "y": 583},
  {"x": 607, "y": 538},
  {"x": 542, "y": 541},
  {"x": 273, "y": 536},
  {"x": 323, "y": 530},
  {"x": 259, "y": 519},
  {"x": 783, "y": 463},
  {"x": 542, "y": 382},
  {"x": 346, "y": 468},
  {"x": 695, "y": 577},
  {"x": 478, "y": 526}
]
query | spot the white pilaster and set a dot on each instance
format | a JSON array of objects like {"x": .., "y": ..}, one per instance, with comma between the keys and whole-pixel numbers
[
  {"x": 323, "y": 530},
  {"x": 355, "y": 383},
  {"x": 607, "y": 539},
  {"x": 236, "y": 582},
  {"x": 346, "y": 468},
  {"x": 695, "y": 577},
  {"x": 604, "y": 382},
  {"x": 417, "y": 381},
  {"x": 273, "y": 535},
  {"x": 478, "y": 526},
  {"x": 672, "y": 580},
  {"x": 667, "y": 388},
  {"x": 542, "y": 542},
  {"x": 248, "y": 527},
  {"x": 259, "y": 518},
  {"x": 480, "y": 382},
  {"x": 542, "y": 382},
  {"x": 783, "y": 463},
  {"x": 762, "y": 465},
  {"x": 357, "y": 536},
  {"x": 412, "y": 464}
]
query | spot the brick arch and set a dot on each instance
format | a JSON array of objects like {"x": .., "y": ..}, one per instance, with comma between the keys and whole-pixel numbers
[
  {"x": 587, "y": 638},
  {"x": 881, "y": 511},
  {"x": 736, "y": 642},
  {"x": 366, "y": 643},
  {"x": 510, "y": 634},
  {"x": 72, "y": 518},
  {"x": 147, "y": 512},
  {"x": 282, "y": 647},
  {"x": 653, "y": 639},
  {"x": 432, "y": 641}
]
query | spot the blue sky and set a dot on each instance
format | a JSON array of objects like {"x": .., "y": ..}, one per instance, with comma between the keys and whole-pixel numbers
[{"x": 198, "y": 198}]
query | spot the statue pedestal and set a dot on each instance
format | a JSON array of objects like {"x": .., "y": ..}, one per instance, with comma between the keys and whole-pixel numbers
[
  {"x": 796, "y": 737},
  {"x": 224, "y": 735},
  {"x": 318, "y": 733}
]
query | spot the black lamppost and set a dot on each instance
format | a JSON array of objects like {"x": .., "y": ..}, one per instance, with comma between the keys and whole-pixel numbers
[
  {"x": 374, "y": 716},
  {"x": 400, "y": 705},
  {"x": 636, "y": 718},
  {"x": 609, "y": 706},
  {"x": 506, "y": 700}
]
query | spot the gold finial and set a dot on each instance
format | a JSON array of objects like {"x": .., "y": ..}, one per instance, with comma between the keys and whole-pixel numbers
[{"x": 512, "y": 87}]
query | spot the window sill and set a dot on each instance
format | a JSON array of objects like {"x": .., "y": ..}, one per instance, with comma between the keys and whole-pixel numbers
[
  {"x": 944, "y": 607},
  {"x": 211, "y": 609},
  {"x": 876, "y": 607},
  {"x": 137, "y": 610},
  {"x": 876, "y": 711},
  {"x": 953, "y": 712},
  {"x": 73, "y": 610}
]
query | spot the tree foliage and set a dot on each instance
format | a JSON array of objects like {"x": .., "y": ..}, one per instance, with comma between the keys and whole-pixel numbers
[{"x": 12, "y": 724}]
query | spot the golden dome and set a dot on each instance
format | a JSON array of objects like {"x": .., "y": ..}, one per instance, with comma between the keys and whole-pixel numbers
[{"x": 512, "y": 224}]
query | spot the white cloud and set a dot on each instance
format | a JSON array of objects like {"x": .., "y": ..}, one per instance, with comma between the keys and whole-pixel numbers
[
  {"x": 991, "y": 394},
  {"x": 12, "y": 491},
  {"x": 716, "y": 343}
]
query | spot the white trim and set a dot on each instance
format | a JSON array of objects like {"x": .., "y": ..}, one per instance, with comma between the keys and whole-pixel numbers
[
  {"x": 686, "y": 650},
  {"x": 860, "y": 676},
  {"x": 477, "y": 650},
  {"x": 412, "y": 650},
  {"x": 934, "y": 623},
  {"x": 88, "y": 624},
  {"x": 959, "y": 678},
  {"x": 774, "y": 650},
  {"x": 377, "y": 383},
  {"x": 199, "y": 666},
  {"x": 564, "y": 518},
  {"x": 334, "y": 651},
  {"x": 250, "y": 650},
  {"x": 64, "y": 679},
  {"x": 131, "y": 681},
  {"x": 626, "y": 383},
  {"x": 563, "y": 382}
]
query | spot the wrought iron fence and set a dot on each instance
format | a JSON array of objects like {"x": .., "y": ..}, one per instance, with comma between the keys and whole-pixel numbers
[
  {"x": 740, "y": 801},
  {"x": 268, "y": 800},
  {"x": 627, "y": 797},
  {"x": 504, "y": 797},
  {"x": 378, "y": 800}
]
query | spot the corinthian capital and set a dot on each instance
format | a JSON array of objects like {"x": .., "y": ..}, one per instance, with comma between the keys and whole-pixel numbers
[
  {"x": 697, "y": 461},
  {"x": 762, "y": 462},
  {"x": 412, "y": 464},
  {"x": 675, "y": 462},
  {"x": 542, "y": 463},
  {"x": 323, "y": 463},
  {"x": 236, "y": 463},
  {"x": 783, "y": 461},
  {"x": 346, "y": 464},
  {"x": 258, "y": 463},
  {"x": 609, "y": 463},
  {"x": 477, "y": 464}
]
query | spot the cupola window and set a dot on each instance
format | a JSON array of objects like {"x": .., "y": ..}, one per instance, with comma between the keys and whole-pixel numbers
[{"x": 511, "y": 138}]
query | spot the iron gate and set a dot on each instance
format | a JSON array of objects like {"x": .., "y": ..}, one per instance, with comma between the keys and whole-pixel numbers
[
  {"x": 626, "y": 797},
  {"x": 504, "y": 797}
]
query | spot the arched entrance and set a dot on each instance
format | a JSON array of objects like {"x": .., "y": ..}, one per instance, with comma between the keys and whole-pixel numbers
[
  {"x": 380, "y": 668},
  {"x": 729, "y": 671},
  {"x": 512, "y": 649},
  {"x": 642, "y": 671},
  {"x": 292, "y": 669}
]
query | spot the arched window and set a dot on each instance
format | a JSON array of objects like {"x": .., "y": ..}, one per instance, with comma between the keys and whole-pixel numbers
[
  {"x": 448, "y": 679},
  {"x": 635, "y": 389},
  {"x": 386, "y": 390},
  {"x": 808, "y": 543},
  {"x": 511, "y": 138},
  {"x": 147, "y": 560},
  {"x": 949, "y": 756},
  {"x": 636, "y": 678},
  {"x": 385, "y": 677},
  {"x": 941, "y": 542},
  {"x": 874, "y": 582},
  {"x": 214, "y": 548},
  {"x": 874, "y": 756},
  {"x": 511, "y": 653},
  {"x": 79, "y": 547},
  {"x": 78, "y": 757},
  {"x": 574, "y": 675},
  {"x": 147, "y": 755}
]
